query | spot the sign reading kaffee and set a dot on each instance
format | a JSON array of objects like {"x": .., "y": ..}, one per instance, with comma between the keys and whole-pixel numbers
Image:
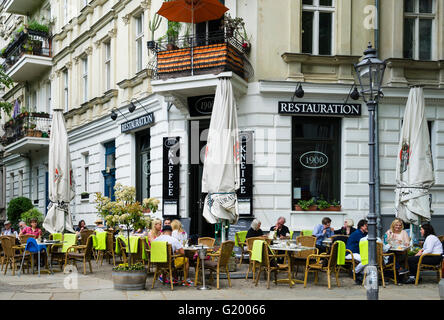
[{"x": 315, "y": 108}]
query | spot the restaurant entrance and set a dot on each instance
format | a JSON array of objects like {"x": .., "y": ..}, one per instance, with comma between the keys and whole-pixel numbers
[{"x": 198, "y": 133}]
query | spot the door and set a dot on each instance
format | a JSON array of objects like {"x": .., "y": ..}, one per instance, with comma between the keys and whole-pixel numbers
[
  {"x": 143, "y": 165},
  {"x": 109, "y": 174},
  {"x": 198, "y": 133}
]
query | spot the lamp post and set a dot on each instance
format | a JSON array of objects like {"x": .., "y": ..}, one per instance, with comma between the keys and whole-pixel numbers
[{"x": 370, "y": 72}]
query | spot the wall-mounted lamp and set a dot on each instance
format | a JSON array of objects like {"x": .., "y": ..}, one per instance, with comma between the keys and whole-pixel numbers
[
  {"x": 132, "y": 106},
  {"x": 299, "y": 92},
  {"x": 353, "y": 93},
  {"x": 114, "y": 114}
]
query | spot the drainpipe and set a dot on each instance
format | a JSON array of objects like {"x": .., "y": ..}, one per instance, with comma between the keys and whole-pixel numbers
[{"x": 377, "y": 177}]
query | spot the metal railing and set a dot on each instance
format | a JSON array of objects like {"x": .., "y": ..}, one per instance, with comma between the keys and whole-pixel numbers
[
  {"x": 26, "y": 124},
  {"x": 199, "y": 54},
  {"x": 29, "y": 42}
]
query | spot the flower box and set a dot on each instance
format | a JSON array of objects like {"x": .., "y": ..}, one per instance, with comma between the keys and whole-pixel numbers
[
  {"x": 310, "y": 208},
  {"x": 332, "y": 208}
]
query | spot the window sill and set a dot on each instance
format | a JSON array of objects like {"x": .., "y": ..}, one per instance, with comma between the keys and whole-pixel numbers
[{"x": 324, "y": 212}]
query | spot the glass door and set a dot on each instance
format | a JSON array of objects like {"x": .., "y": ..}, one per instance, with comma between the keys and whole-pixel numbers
[{"x": 143, "y": 165}]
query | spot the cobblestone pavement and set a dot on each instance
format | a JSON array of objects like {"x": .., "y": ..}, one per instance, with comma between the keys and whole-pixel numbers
[{"x": 98, "y": 285}]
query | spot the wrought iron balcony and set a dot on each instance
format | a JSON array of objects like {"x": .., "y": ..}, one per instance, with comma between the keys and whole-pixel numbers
[
  {"x": 26, "y": 125},
  {"x": 209, "y": 53},
  {"x": 28, "y": 56}
]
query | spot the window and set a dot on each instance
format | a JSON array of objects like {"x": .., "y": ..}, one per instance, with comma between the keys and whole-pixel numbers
[
  {"x": 108, "y": 65},
  {"x": 65, "y": 89},
  {"x": 317, "y": 26},
  {"x": 65, "y": 11},
  {"x": 2, "y": 188},
  {"x": 11, "y": 185},
  {"x": 109, "y": 174},
  {"x": 85, "y": 78},
  {"x": 419, "y": 29},
  {"x": 36, "y": 187},
  {"x": 48, "y": 97},
  {"x": 85, "y": 172},
  {"x": 20, "y": 183},
  {"x": 139, "y": 42},
  {"x": 143, "y": 165},
  {"x": 316, "y": 158}
]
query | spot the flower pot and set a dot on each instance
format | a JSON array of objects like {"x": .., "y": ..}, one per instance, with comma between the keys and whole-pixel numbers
[
  {"x": 333, "y": 208},
  {"x": 232, "y": 265},
  {"x": 310, "y": 208},
  {"x": 129, "y": 280},
  {"x": 37, "y": 133}
]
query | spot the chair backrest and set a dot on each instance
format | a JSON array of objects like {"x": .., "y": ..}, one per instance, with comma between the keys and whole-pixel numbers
[
  {"x": 7, "y": 244},
  {"x": 24, "y": 238},
  {"x": 250, "y": 242},
  {"x": 89, "y": 246},
  {"x": 333, "y": 259},
  {"x": 31, "y": 245},
  {"x": 340, "y": 237},
  {"x": 156, "y": 246},
  {"x": 56, "y": 236},
  {"x": 110, "y": 242},
  {"x": 84, "y": 235},
  {"x": 441, "y": 238},
  {"x": 225, "y": 252},
  {"x": 306, "y": 241},
  {"x": 307, "y": 232},
  {"x": 379, "y": 252},
  {"x": 207, "y": 241},
  {"x": 69, "y": 239},
  {"x": 240, "y": 237}
]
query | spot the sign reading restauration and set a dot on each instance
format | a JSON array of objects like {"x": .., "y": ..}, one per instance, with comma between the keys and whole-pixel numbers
[
  {"x": 315, "y": 108},
  {"x": 137, "y": 123}
]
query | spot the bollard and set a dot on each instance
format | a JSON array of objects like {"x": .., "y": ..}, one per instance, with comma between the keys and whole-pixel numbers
[{"x": 441, "y": 289}]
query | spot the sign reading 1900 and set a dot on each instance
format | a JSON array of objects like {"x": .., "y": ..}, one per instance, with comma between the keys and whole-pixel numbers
[{"x": 314, "y": 108}]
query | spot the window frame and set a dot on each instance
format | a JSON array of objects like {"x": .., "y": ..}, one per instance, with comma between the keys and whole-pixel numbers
[
  {"x": 107, "y": 60},
  {"x": 139, "y": 41},
  {"x": 66, "y": 89},
  {"x": 417, "y": 16},
  {"x": 86, "y": 165},
  {"x": 316, "y": 8},
  {"x": 85, "y": 78}
]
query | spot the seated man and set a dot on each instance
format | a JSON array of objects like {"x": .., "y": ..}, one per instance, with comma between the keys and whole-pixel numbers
[
  {"x": 282, "y": 231},
  {"x": 353, "y": 246},
  {"x": 177, "y": 248},
  {"x": 8, "y": 231},
  {"x": 322, "y": 232}
]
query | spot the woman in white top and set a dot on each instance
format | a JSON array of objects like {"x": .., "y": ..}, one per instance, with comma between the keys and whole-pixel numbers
[
  {"x": 431, "y": 245},
  {"x": 178, "y": 231}
]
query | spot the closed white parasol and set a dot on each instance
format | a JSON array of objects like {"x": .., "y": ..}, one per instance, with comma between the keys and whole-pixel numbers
[
  {"x": 61, "y": 183},
  {"x": 414, "y": 166},
  {"x": 220, "y": 178}
]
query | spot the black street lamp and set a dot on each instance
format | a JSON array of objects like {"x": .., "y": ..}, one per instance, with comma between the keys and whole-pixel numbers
[{"x": 370, "y": 72}]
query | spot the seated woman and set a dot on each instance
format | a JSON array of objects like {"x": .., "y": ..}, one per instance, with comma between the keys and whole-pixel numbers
[
  {"x": 178, "y": 231},
  {"x": 397, "y": 234},
  {"x": 99, "y": 225},
  {"x": 255, "y": 229},
  {"x": 431, "y": 245},
  {"x": 347, "y": 229},
  {"x": 33, "y": 230},
  {"x": 155, "y": 230},
  {"x": 81, "y": 226}
]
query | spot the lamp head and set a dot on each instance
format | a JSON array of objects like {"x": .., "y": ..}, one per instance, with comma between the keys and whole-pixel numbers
[
  {"x": 299, "y": 92},
  {"x": 132, "y": 107},
  {"x": 355, "y": 94},
  {"x": 113, "y": 115}
]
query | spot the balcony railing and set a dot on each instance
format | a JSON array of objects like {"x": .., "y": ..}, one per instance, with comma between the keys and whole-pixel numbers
[
  {"x": 26, "y": 124},
  {"x": 209, "y": 53},
  {"x": 30, "y": 42}
]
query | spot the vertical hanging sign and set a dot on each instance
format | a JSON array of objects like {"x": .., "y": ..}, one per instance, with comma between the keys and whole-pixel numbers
[
  {"x": 245, "y": 191},
  {"x": 171, "y": 163}
]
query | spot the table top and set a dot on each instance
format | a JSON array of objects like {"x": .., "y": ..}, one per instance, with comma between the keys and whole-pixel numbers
[
  {"x": 197, "y": 247},
  {"x": 291, "y": 248},
  {"x": 399, "y": 248}
]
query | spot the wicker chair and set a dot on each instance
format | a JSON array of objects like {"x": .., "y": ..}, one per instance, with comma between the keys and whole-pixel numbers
[
  {"x": 84, "y": 235},
  {"x": 252, "y": 263},
  {"x": 222, "y": 257},
  {"x": 206, "y": 241},
  {"x": 13, "y": 255},
  {"x": 299, "y": 258},
  {"x": 81, "y": 253},
  {"x": 381, "y": 266},
  {"x": 318, "y": 265},
  {"x": 241, "y": 243},
  {"x": 24, "y": 238},
  {"x": 122, "y": 247},
  {"x": 270, "y": 264},
  {"x": 422, "y": 266},
  {"x": 109, "y": 251},
  {"x": 166, "y": 267}
]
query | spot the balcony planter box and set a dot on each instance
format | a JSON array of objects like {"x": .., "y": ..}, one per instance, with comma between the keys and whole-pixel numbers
[
  {"x": 129, "y": 280},
  {"x": 310, "y": 208}
]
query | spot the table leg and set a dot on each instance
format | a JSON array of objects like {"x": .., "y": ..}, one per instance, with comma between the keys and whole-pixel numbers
[
  {"x": 204, "y": 287},
  {"x": 38, "y": 254}
]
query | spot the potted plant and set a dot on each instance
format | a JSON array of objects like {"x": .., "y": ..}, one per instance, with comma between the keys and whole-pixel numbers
[
  {"x": 246, "y": 43},
  {"x": 172, "y": 34},
  {"x": 322, "y": 204},
  {"x": 232, "y": 25},
  {"x": 125, "y": 210},
  {"x": 84, "y": 195},
  {"x": 335, "y": 206},
  {"x": 306, "y": 205},
  {"x": 153, "y": 26}
]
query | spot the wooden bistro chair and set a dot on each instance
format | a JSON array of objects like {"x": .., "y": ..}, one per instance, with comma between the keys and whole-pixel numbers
[
  {"x": 270, "y": 264},
  {"x": 13, "y": 254},
  {"x": 109, "y": 252},
  {"x": 380, "y": 263},
  {"x": 206, "y": 241},
  {"x": 318, "y": 266},
  {"x": 58, "y": 251},
  {"x": 84, "y": 235},
  {"x": 300, "y": 258},
  {"x": 240, "y": 241},
  {"x": 24, "y": 238},
  {"x": 422, "y": 266},
  {"x": 81, "y": 253},
  {"x": 220, "y": 262},
  {"x": 122, "y": 249},
  {"x": 251, "y": 264},
  {"x": 163, "y": 261}
]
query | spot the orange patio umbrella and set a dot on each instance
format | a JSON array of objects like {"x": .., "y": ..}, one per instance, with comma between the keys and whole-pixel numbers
[{"x": 192, "y": 11}]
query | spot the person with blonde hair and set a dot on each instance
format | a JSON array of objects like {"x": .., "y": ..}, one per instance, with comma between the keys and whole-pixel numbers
[
  {"x": 347, "y": 229},
  {"x": 178, "y": 232},
  {"x": 397, "y": 235},
  {"x": 155, "y": 231}
]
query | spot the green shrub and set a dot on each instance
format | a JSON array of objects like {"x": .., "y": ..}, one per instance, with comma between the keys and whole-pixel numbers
[
  {"x": 34, "y": 25},
  {"x": 33, "y": 213},
  {"x": 15, "y": 209}
]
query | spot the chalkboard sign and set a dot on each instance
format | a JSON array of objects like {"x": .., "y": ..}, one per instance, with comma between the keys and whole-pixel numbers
[{"x": 245, "y": 191}]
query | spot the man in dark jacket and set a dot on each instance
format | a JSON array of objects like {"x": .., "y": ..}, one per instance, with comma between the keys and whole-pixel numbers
[{"x": 353, "y": 245}]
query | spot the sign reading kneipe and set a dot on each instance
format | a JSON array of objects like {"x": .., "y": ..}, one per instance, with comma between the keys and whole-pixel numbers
[
  {"x": 171, "y": 171},
  {"x": 320, "y": 109}
]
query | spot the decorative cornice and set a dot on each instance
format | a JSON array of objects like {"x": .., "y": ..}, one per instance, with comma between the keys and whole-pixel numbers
[
  {"x": 146, "y": 4},
  {"x": 98, "y": 43},
  {"x": 112, "y": 33},
  {"x": 126, "y": 18},
  {"x": 88, "y": 50},
  {"x": 289, "y": 57}
]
